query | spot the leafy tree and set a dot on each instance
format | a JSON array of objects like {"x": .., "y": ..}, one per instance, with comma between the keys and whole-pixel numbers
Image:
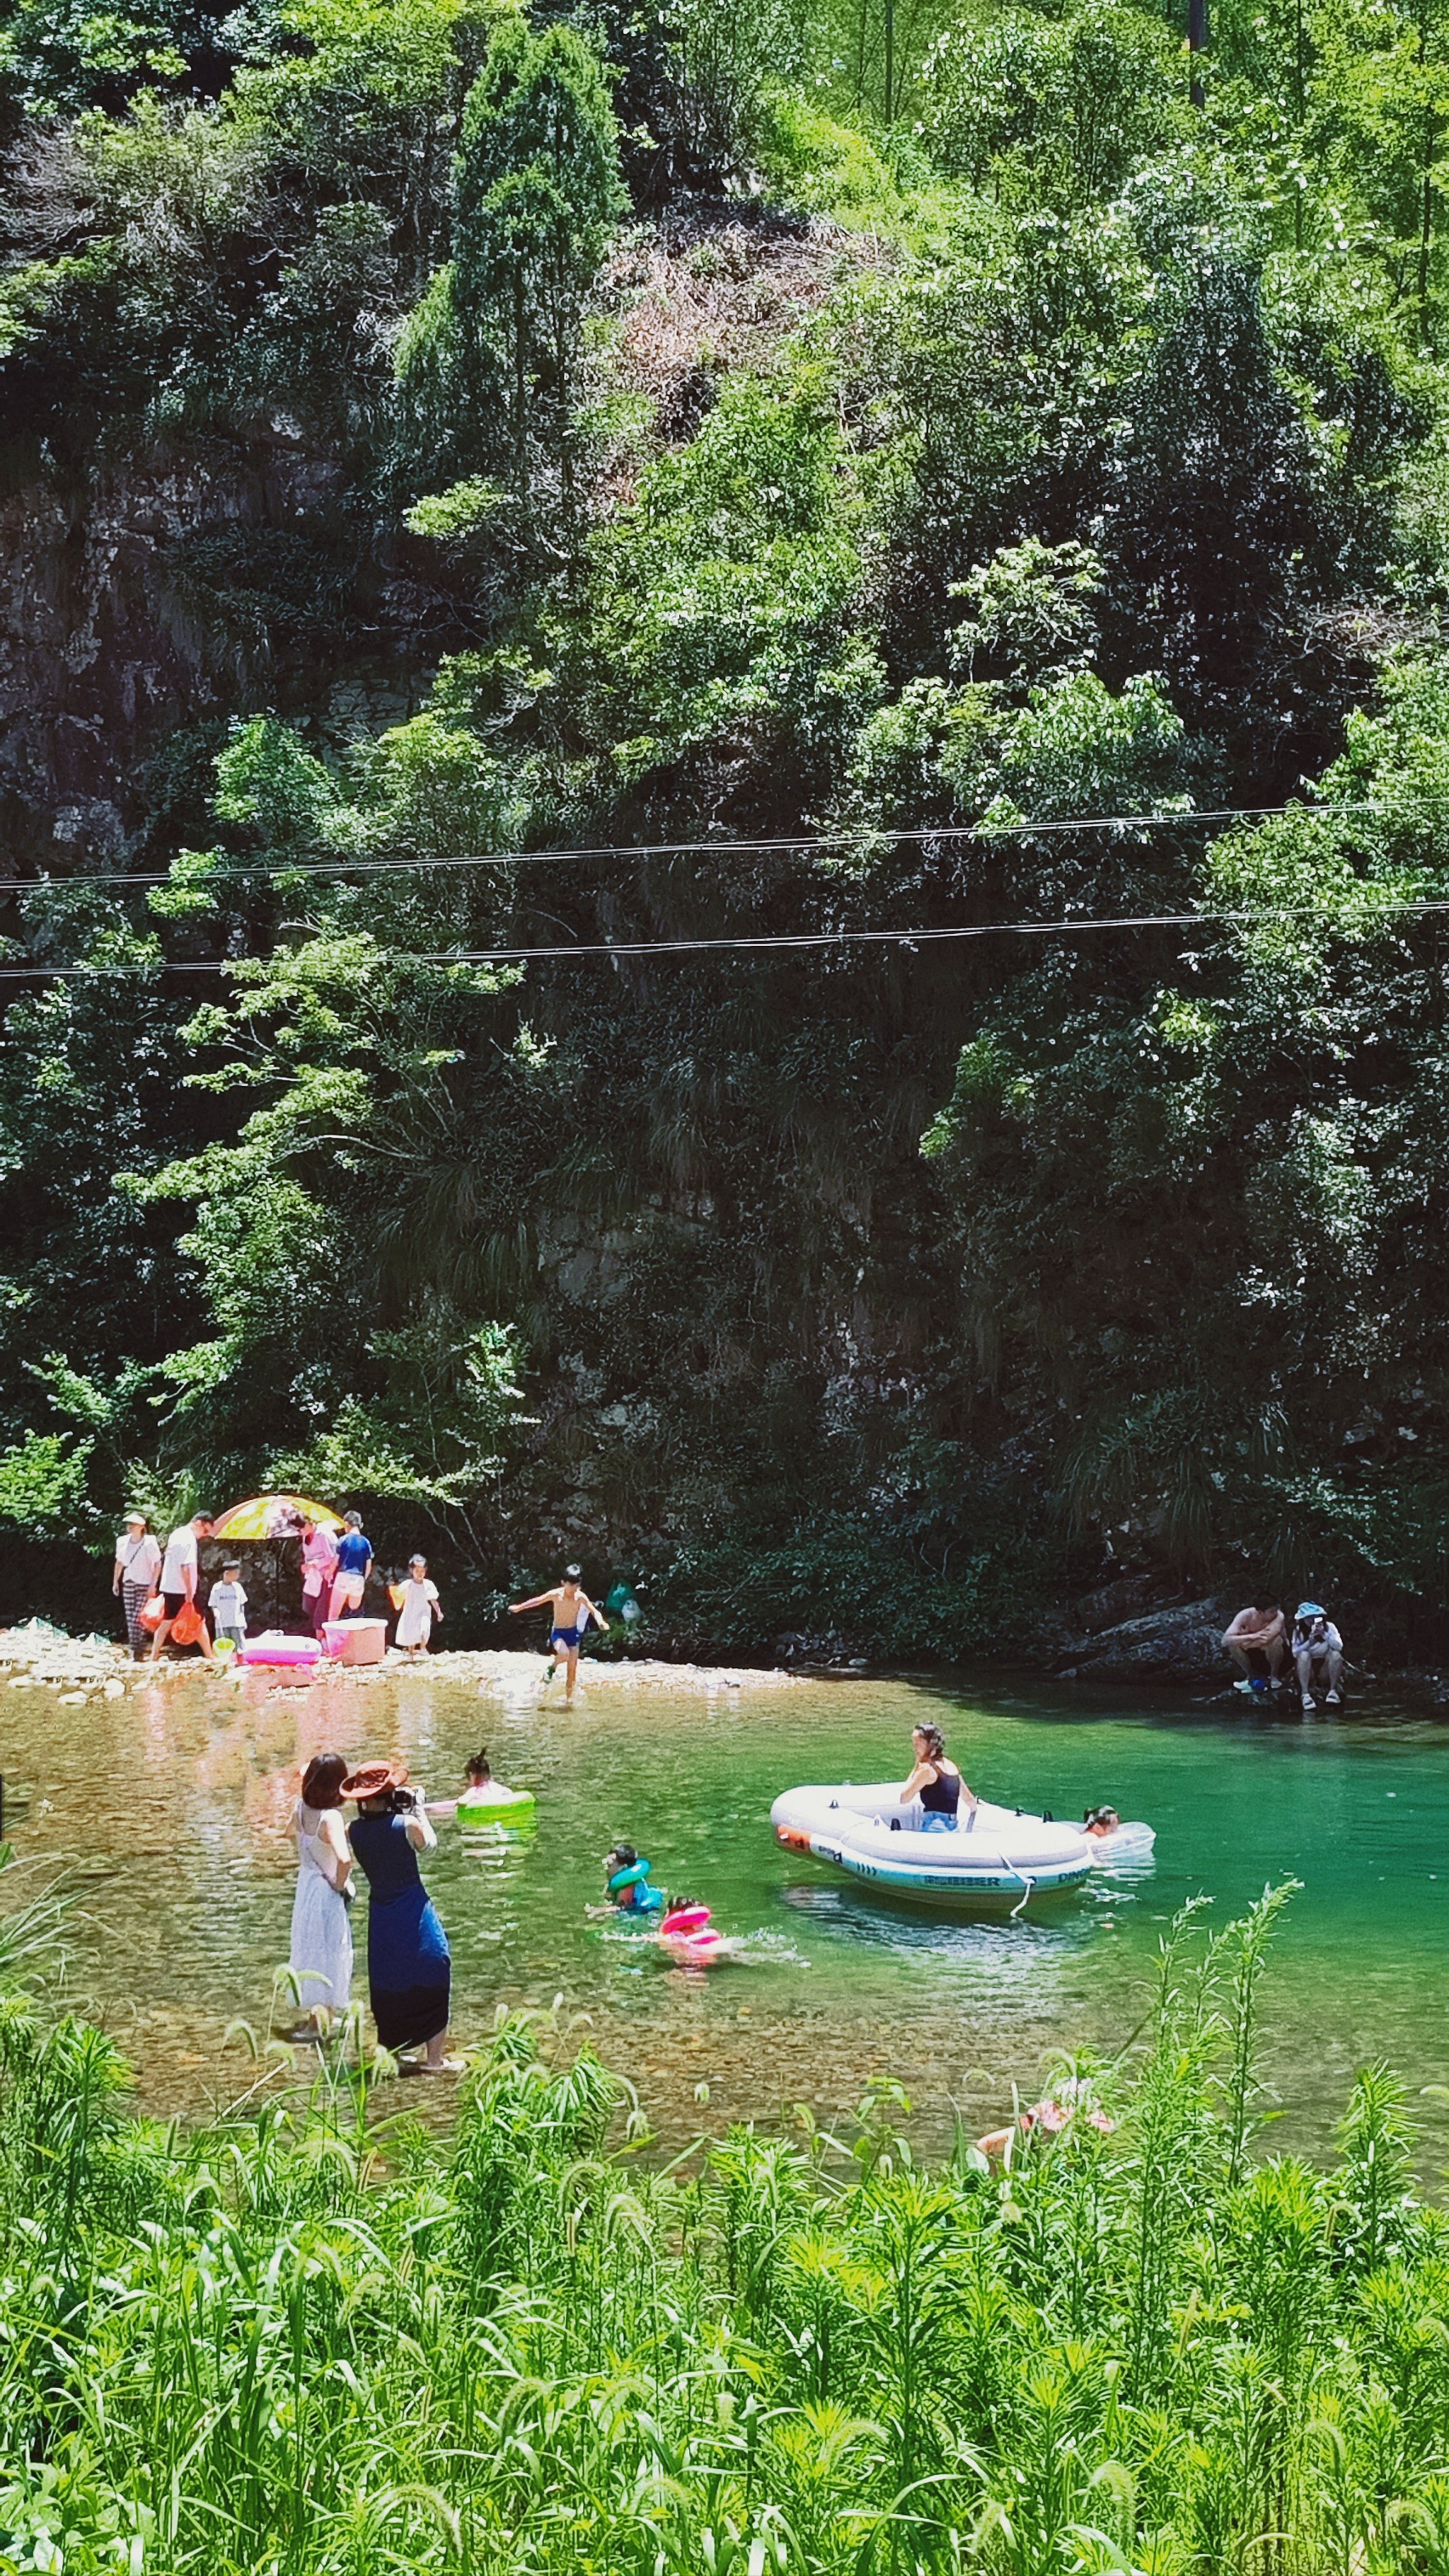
[
  {"x": 1065, "y": 105},
  {"x": 697, "y": 85},
  {"x": 1247, "y": 1346},
  {"x": 538, "y": 195}
]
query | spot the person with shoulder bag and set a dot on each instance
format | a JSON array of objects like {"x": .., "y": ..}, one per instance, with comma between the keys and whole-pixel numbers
[{"x": 134, "y": 1577}]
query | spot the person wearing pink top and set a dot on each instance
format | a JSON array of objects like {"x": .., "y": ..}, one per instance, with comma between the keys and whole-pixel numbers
[{"x": 319, "y": 1564}]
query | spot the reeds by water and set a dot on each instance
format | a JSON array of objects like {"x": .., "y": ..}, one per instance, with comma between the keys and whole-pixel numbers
[{"x": 296, "y": 2343}]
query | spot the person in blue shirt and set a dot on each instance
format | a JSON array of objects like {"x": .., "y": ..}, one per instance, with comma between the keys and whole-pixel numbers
[{"x": 354, "y": 1565}]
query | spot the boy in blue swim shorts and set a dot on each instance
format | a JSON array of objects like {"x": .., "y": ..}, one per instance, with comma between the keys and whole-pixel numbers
[{"x": 572, "y": 1612}]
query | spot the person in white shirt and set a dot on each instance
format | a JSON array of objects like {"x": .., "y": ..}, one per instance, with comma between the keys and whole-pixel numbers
[
  {"x": 228, "y": 1606},
  {"x": 417, "y": 1608},
  {"x": 138, "y": 1562},
  {"x": 179, "y": 1571},
  {"x": 1317, "y": 1650}
]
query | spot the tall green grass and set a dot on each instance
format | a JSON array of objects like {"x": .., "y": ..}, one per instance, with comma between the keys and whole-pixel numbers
[{"x": 306, "y": 2343}]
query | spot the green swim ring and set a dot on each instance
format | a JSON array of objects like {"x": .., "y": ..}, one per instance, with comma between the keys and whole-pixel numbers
[{"x": 495, "y": 1805}]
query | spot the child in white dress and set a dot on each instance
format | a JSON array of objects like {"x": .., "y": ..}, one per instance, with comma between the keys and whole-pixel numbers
[{"x": 417, "y": 1607}]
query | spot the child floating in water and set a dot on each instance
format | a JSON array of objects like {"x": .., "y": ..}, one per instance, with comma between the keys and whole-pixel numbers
[
  {"x": 626, "y": 1884},
  {"x": 686, "y": 1929},
  {"x": 480, "y": 1784},
  {"x": 680, "y": 1923}
]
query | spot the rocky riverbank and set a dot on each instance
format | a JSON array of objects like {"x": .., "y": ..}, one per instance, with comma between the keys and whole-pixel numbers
[
  {"x": 81, "y": 1669},
  {"x": 1180, "y": 1644},
  {"x": 1183, "y": 1643}
]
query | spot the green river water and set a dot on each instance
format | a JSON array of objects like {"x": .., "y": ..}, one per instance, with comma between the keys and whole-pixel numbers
[{"x": 172, "y": 1805}]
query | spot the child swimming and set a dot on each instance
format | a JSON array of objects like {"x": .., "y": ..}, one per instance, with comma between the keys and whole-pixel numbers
[{"x": 627, "y": 1888}]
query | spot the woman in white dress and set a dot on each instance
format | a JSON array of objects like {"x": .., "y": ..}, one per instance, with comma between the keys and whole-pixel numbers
[
  {"x": 417, "y": 1607},
  {"x": 321, "y": 1960}
]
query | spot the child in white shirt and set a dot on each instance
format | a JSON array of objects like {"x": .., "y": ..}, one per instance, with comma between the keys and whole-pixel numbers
[{"x": 228, "y": 1606}]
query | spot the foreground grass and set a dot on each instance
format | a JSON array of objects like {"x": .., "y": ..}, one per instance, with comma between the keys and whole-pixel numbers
[{"x": 296, "y": 2343}]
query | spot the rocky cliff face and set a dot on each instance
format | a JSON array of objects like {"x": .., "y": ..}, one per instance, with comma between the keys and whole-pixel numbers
[
  {"x": 167, "y": 591},
  {"x": 103, "y": 649}
]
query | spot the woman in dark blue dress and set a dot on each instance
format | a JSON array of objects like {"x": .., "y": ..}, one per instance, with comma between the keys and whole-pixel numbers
[{"x": 409, "y": 1967}]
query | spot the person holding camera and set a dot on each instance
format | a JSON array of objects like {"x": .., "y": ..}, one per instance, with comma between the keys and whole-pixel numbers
[{"x": 409, "y": 1965}]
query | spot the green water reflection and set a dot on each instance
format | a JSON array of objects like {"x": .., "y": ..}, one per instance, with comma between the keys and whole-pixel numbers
[{"x": 173, "y": 1805}]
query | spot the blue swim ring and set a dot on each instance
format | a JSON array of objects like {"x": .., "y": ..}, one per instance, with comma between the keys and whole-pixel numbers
[{"x": 629, "y": 1877}]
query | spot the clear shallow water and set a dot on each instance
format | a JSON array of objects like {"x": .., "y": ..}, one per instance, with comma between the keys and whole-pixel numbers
[{"x": 172, "y": 1805}]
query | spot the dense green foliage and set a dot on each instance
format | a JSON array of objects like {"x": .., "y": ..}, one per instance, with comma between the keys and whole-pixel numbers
[
  {"x": 309, "y": 2341},
  {"x": 736, "y": 422}
]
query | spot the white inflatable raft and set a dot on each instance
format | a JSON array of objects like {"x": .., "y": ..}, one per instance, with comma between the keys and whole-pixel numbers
[{"x": 996, "y": 1862}]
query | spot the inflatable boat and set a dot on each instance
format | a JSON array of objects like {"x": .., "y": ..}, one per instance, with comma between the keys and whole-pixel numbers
[{"x": 996, "y": 1862}]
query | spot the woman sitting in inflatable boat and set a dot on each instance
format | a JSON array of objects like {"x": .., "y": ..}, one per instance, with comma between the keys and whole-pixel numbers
[{"x": 937, "y": 1783}]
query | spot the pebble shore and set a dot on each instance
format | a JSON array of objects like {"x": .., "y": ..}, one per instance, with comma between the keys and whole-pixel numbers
[{"x": 83, "y": 1669}]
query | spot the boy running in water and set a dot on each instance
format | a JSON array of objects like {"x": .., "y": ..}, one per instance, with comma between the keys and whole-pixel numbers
[{"x": 572, "y": 1611}]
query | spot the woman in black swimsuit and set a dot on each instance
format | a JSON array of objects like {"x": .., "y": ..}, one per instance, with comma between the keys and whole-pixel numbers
[{"x": 936, "y": 1782}]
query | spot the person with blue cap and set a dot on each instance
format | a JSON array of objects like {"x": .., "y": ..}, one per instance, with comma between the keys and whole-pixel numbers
[{"x": 1317, "y": 1650}]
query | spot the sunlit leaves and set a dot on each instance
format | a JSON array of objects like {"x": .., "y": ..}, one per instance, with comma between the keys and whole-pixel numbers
[{"x": 43, "y": 1485}]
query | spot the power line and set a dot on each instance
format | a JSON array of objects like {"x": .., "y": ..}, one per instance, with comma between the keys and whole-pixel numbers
[
  {"x": 748, "y": 943},
  {"x": 801, "y": 843}
]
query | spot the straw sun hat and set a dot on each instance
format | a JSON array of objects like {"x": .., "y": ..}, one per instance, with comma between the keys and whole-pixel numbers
[{"x": 374, "y": 1779}]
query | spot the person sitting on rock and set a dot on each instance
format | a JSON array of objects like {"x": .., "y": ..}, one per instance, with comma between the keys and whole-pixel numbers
[
  {"x": 1257, "y": 1644},
  {"x": 1317, "y": 1653}
]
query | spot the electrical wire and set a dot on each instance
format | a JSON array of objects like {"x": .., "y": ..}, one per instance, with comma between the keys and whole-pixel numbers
[
  {"x": 753, "y": 943},
  {"x": 801, "y": 843}
]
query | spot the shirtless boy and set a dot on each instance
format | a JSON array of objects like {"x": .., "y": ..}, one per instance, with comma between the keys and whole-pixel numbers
[
  {"x": 1257, "y": 1644},
  {"x": 572, "y": 1611}
]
